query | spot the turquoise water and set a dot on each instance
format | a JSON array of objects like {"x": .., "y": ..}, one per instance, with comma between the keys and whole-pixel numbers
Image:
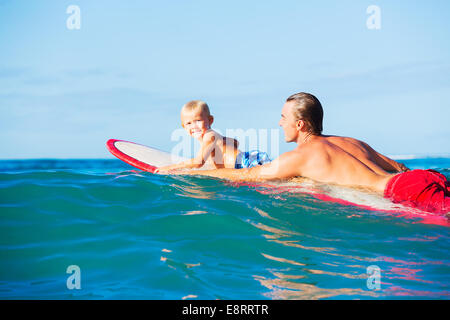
[{"x": 136, "y": 235}]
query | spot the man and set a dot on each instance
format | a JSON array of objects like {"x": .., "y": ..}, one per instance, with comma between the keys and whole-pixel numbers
[{"x": 341, "y": 160}]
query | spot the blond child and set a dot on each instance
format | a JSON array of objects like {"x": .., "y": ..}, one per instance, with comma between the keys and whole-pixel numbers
[{"x": 216, "y": 150}]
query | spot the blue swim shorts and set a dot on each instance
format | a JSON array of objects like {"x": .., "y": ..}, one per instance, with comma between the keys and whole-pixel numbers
[{"x": 251, "y": 159}]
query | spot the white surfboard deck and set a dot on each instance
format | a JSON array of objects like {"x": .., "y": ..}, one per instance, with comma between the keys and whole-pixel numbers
[{"x": 140, "y": 156}]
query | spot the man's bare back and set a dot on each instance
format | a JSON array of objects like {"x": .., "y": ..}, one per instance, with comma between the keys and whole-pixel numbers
[
  {"x": 340, "y": 160},
  {"x": 367, "y": 155}
]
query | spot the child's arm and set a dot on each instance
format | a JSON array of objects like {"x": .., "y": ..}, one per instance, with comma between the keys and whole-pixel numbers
[{"x": 208, "y": 144}]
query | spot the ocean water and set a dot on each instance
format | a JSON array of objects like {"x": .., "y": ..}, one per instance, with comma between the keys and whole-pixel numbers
[{"x": 134, "y": 235}]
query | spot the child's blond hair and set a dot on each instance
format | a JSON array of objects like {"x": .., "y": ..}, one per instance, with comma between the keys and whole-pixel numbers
[{"x": 195, "y": 105}]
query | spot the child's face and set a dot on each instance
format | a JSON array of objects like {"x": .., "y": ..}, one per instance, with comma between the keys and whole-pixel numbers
[{"x": 196, "y": 123}]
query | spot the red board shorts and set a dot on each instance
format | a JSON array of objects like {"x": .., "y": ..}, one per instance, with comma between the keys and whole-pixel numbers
[{"x": 427, "y": 190}]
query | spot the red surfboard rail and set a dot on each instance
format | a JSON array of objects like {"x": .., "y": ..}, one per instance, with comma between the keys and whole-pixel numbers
[{"x": 110, "y": 144}]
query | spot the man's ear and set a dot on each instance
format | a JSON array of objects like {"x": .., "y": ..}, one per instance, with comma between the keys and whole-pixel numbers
[{"x": 299, "y": 124}]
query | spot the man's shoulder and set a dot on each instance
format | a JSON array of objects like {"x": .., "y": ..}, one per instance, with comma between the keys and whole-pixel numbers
[
  {"x": 347, "y": 140},
  {"x": 339, "y": 138}
]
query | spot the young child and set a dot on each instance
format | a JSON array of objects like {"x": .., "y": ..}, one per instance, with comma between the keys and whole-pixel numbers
[{"x": 215, "y": 150}]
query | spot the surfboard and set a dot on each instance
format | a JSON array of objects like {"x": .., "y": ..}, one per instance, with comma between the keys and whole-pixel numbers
[
  {"x": 149, "y": 159},
  {"x": 140, "y": 156}
]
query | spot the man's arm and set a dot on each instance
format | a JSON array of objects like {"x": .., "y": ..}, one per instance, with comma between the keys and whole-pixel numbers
[
  {"x": 397, "y": 166},
  {"x": 385, "y": 162},
  {"x": 188, "y": 164},
  {"x": 284, "y": 167}
]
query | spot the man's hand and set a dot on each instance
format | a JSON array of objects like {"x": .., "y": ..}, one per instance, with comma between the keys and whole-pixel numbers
[
  {"x": 163, "y": 170},
  {"x": 402, "y": 167},
  {"x": 175, "y": 171}
]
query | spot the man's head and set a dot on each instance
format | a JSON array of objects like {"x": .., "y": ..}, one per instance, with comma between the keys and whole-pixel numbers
[
  {"x": 302, "y": 112},
  {"x": 196, "y": 118}
]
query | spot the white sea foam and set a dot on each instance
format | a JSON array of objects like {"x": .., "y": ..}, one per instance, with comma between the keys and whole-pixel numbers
[{"x": 352, "y": 195}]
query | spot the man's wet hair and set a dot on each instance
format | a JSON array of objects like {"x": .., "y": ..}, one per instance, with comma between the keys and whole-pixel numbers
[{"x": 309, "y": 109}]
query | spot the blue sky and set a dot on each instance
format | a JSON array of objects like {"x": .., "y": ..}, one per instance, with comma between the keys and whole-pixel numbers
[{"x": 131, "y": 66}]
